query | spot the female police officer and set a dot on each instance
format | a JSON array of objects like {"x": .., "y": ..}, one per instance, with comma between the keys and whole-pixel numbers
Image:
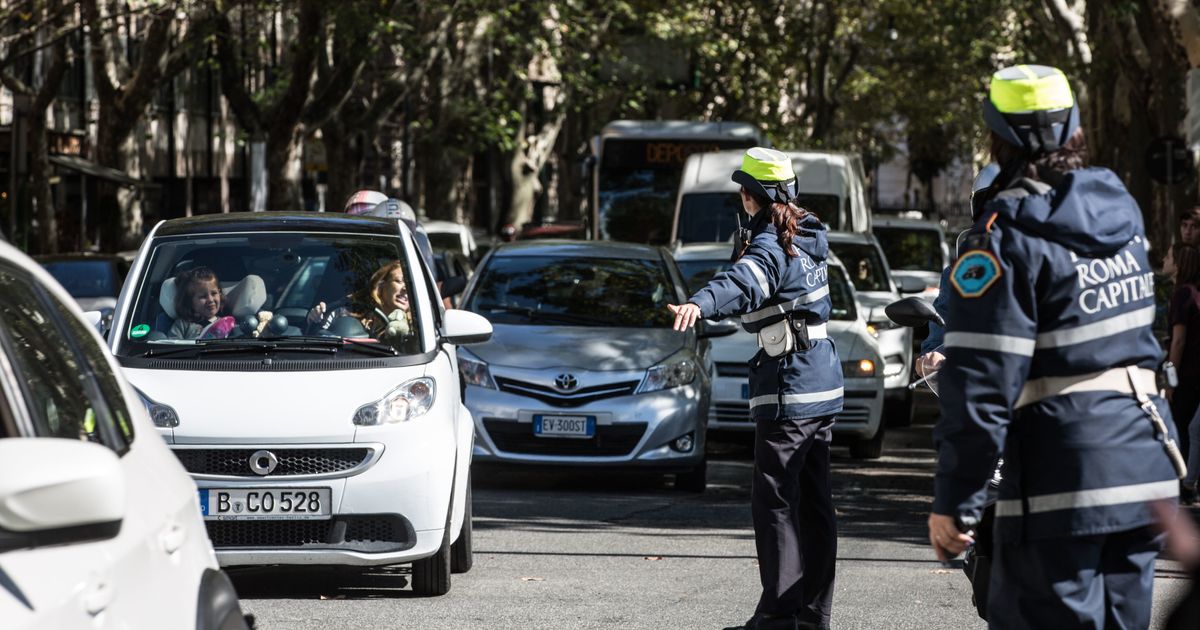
[
  {"x": 1050, "y": 360},
  {"x": 779, "y": 285}
]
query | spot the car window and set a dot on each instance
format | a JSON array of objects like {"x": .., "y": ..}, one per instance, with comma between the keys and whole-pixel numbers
[
  {"x": 910, "y": 249},
  {"x": 555, "y": 291},
  {"x": 85, "y": 278},
  {"x": 698, "y": 272},
  {"x": 864, "y": 266},
  {"x": 61, "y": 392}
]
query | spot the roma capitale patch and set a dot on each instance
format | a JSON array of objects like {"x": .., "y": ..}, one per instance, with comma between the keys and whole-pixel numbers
[{"x": 974, "y": 273}]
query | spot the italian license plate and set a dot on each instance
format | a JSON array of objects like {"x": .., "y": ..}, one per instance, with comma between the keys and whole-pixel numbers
[
  {"x": 745, "y": 391},
  {"x": 255, "y": 504},
  {"x": 564, "y": 426}
]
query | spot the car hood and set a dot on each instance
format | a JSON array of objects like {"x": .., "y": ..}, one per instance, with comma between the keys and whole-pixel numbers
[
  {"x": 96, "y": 303},
  {"x": 601, "y": 349},
  {"x": 847, "y": 336},
  {"x": 267, "y": 407},
  {"x": 873, "y": 303}
]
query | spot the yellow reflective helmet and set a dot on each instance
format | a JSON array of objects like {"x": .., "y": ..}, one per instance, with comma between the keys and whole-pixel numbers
[
  {"x": 1031, "y": 107},
  {"x": 767, "y": 174}
]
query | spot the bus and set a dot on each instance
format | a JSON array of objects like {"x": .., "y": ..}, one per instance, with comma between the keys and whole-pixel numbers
[{"x": 636, "y": 167}]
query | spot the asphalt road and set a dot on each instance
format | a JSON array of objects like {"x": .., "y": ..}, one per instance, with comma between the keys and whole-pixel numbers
[{"x": 564, "y": 551}]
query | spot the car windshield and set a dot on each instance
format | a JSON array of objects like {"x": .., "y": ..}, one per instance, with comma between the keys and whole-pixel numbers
[
  {"x": 84, "y": 278},
  {"x": 712, "y": 217},
  {"x": 697, "y": 273},
  {"x": 202, "y": 296},
  {"x": 864, "y": 266},
  {"x": 556, "y": 291},
  {"x": 911, "y": 249},
  {"x": 442, "y": 241}
]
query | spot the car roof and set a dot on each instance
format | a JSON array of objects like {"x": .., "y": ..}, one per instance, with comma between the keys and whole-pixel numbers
[
  {"x": 679, "y": 129},
  {"x": 720, "y": 251},
  {"x": 898, "y": 222},
  {"x": 70, "y": 257},
  {"x": 578, "y": 249},
  {"x": 278, "y": 222},
  {"x": 851, "y": 237},
  {"x": 444, "y": 226}
]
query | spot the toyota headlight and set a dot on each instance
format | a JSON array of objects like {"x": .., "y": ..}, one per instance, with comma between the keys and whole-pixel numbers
[
  {"x": 410, "y": 400},
  {"x": 679, "y": 369},
  {"x": 474, "y": 371},
  {"x": 858, "y": 369},
  {"x": 164, "y": 416}
]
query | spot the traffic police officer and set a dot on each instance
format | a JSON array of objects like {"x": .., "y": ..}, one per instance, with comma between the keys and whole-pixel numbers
[
  {"x": 779, "y": 287},
  {"x": 1050, "y": 360}
]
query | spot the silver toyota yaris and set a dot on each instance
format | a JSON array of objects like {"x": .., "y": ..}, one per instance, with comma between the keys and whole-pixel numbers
[{"x": 583, "y": 367}]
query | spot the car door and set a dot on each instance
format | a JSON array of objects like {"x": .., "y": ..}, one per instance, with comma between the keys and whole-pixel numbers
[{"x": 70, "y": 391}]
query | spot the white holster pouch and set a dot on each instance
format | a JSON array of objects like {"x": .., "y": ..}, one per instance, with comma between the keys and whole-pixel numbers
[{"x": 777, "y": 339}]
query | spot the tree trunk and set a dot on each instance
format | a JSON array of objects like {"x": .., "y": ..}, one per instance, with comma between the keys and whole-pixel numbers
[
  {"x": 283, "y": 173},
  {"x": 46, "y": 232}
]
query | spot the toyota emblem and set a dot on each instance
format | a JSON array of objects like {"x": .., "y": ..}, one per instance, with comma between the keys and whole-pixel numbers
[
  {"x": 263, "y": 462},
  {"x": 566, "y": 382}
]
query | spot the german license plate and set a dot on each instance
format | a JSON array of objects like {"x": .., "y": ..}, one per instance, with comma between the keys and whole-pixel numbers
[
  {"x": 745, "y": 391},
  {"x": 564, "y": 426},
  {"x": 256, "y": 504}
]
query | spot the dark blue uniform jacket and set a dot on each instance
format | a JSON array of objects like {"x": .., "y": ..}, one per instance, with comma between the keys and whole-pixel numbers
[
  {"x": 761, "y": 286},
  {"x": 1073, "y": 294}
]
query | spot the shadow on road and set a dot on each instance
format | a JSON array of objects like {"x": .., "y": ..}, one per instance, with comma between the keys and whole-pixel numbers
[{"x": 321, "y": 582}]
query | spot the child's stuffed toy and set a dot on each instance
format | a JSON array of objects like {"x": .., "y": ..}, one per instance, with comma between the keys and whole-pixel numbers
[
  {"x": 264, "y": 318},
  {"x": 397, "y": 324}
]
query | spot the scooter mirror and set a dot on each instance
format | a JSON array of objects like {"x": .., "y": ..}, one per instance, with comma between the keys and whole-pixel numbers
[{"x": 912, "y": 312}]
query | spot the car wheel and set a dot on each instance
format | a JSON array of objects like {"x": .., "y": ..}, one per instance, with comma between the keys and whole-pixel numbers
[
  {"x": 431, "y": 576},
  {"x": 898, "y": 412},
  {"x": 694, "y": 480},
  {"x": 462, "y": 558},
  {"x": 868, "y": 449}
]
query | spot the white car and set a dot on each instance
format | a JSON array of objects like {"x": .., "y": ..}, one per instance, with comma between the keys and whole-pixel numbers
[
  {"x": 914, "y": 249},
  {"x": 861, "y": 420},
  {"x": 99, "y": 525},
  {"x": 337, "y": 440},
  {"x": 447, "y": 235},
  {"x": 875, "y": 288}
]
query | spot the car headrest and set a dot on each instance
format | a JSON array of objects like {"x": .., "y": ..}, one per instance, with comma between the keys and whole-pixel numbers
[{"x": 244, "y": 298}]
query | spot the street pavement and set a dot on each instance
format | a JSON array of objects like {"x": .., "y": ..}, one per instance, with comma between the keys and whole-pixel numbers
[{"x": 561, "y": 551}]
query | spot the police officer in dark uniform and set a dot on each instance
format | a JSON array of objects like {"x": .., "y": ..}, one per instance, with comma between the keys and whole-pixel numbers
[
  {"x": 779, "y": 287},
  {"x": 1050, "y": 360}
]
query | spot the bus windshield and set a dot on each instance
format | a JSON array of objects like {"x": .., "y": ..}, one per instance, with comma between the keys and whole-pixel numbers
[{"x": 637, "y": 179}]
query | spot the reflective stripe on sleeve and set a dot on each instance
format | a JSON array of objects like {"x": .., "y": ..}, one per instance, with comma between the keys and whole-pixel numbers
[
  {"x": 790, "y": 305},
  {"x": 758, "y": 274},
  {"x": 796, "y": 399},
  {"x": 1097, "y": 330},
  {"x": 1099, "y": 497},
  {"x": 984, "y": 341}
]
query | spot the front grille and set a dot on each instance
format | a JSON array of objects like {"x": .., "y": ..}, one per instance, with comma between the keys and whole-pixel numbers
[
  {"x": 854, "y": 413},
  {"x": 235, "y": 462},
  {"x": 733, "y": 369},
  {"x": 558, "y": 398},
  {"x": 375, "y": 533},
  {"x": 731, "y": 412},
  {"x": 610, "y": 439}
]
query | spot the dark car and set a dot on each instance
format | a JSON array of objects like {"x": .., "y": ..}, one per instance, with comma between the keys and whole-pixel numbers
[{"x": 94, "y": 280}]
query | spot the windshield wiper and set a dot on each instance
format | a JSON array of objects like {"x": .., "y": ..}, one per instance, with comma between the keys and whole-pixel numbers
[
  {"x": 370, "y": 347},
  {"x": 172, "y": 349},
  {"x": 271, "y": 344}
]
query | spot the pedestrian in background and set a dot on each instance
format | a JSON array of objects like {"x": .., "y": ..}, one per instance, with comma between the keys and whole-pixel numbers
[
  {"x": 1050, "y": 361},
  {"x": 779, "y": 287},
  {"x": 1183, "y": 320},
  {"x": 1189, "y": 227}
]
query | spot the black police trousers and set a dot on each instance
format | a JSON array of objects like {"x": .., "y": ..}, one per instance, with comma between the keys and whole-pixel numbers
[
  {"x": 1078, "y": 582},
  {"x": 795, "y": 529}
]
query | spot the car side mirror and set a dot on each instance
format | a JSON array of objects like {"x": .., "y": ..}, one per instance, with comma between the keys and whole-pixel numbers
[
  {"x": 453, "y": 286},
  {"x": 55, "y": 491},
  {"x": 712, "y": 329},
  {"x": 913, "y": 312},
  {"x": 462, "y": 328},
  {"x": 908, "y": 284}
]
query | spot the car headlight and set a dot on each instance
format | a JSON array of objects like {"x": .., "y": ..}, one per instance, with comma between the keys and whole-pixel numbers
[
  {"x": 876, "y": 326},
  {"x": 858, "y": 369},
  {"x": 679, "y": 369},
  {"x": 410, "y": 400},
  {"x": 164, "y": 416},
  {"x": 474, "y": 371}
]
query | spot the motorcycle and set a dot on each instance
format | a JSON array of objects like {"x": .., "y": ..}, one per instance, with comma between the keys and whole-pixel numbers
[{"x": 977, "y": 561}]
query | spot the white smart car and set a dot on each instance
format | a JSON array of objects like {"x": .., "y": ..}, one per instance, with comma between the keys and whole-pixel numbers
[
  {"x": 303, "y": 370},
  {"x": 99, "y": 525}
]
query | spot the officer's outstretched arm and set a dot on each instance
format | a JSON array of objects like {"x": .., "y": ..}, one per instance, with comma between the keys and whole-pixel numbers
[
  {"x": 741, "y": 289},
  {"x": 991, "y": 328}
]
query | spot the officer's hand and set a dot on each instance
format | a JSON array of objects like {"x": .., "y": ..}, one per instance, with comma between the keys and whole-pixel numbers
[
  {"x": 930, "y": 362},
  {"x": 947, "y": 541},
  {"x": 685, "y": 315}
]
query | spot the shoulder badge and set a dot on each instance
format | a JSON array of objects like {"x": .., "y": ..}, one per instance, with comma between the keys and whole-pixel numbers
[{"x": 974, "y": 273}]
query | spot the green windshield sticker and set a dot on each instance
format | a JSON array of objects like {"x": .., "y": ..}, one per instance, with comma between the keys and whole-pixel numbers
[{"x": 141, "y": 330}]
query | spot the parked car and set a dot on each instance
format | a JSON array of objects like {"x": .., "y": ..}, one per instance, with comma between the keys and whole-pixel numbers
[
  {"x": 861, "y": 420},
  {"x": 94, "y": 280},
  {"x": 336, "y": 441},
  {"x": 99, "y": 525},
  {"x": 450, "y": 236},
  {"x": 584, "y": 368},
  {"x": 875, "y": 288},
  {"x": 914, "y": 249}
]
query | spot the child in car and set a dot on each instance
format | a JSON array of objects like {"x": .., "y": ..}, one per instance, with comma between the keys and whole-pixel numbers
[{"x": 198, "y": 302}]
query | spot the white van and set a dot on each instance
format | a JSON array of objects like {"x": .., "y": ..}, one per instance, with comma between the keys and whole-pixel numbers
[{"x": 832, "y": 185}]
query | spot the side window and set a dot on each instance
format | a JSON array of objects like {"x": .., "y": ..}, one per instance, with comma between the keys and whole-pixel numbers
[{"x": 61, "y": 395}]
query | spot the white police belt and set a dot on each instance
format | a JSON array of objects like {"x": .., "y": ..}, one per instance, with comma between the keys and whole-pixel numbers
[
  {"x": 1114, "y": 380},
  {"x": 778, "y": 339}
]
